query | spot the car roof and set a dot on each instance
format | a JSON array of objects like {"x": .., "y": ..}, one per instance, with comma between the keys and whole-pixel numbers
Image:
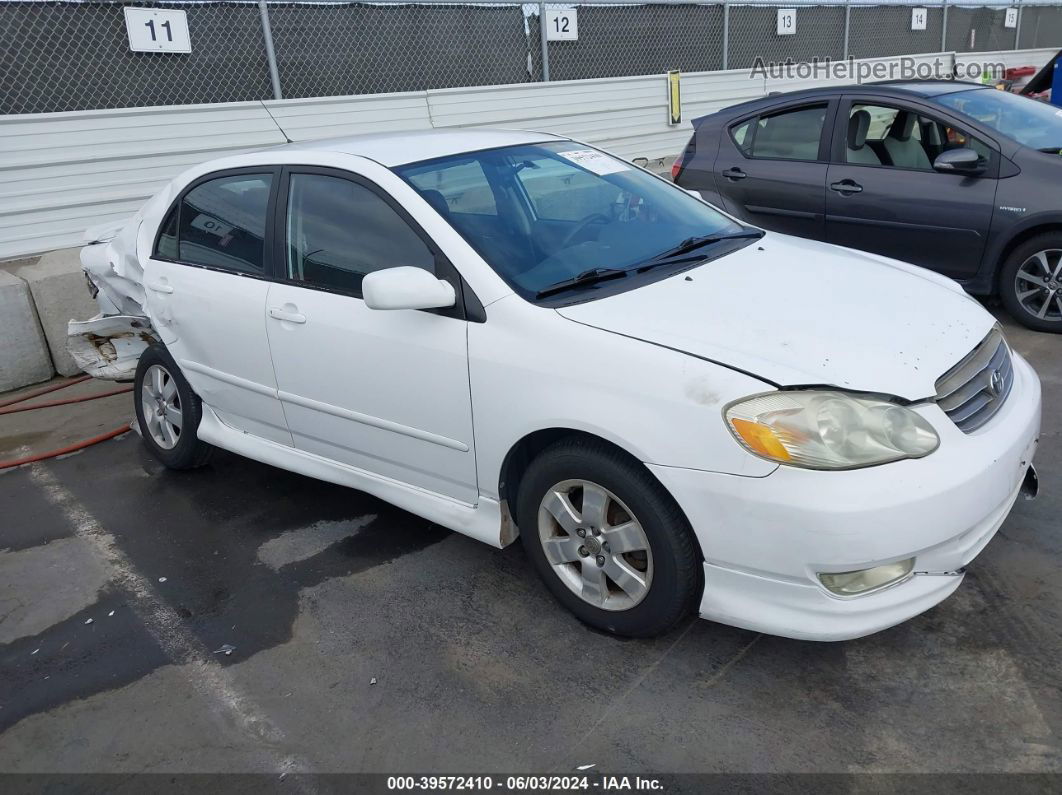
[
  {"x": 885, "y": 88},
  {"x": 411, "y": 146}
]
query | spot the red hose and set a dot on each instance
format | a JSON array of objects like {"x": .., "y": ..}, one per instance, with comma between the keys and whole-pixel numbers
[
  {"x": 70, "y": 448},
  {"x": 51, "y": 403},
  {"x": 46, "y": 390}
]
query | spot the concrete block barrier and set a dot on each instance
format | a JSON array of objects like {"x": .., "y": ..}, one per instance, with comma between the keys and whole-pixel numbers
[
  {"x": 59, "y": 292},
  {"x": 24, "y": 355}
]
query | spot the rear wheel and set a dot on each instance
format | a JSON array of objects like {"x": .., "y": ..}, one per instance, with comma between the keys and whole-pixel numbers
[
  {"x": 608, "y": 540},
  {"x": 168, "y": 411},
  {"x": 1030, "y": 284}
]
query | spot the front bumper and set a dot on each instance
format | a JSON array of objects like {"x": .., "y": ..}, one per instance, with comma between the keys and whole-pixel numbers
[{"x": 766, "y": 539}]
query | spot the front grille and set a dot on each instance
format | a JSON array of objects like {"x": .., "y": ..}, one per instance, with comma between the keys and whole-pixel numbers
[{"x": 972, "y": 391}]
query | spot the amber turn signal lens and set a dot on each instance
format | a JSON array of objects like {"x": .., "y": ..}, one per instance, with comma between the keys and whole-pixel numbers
[{"x": 760, "y": 439}]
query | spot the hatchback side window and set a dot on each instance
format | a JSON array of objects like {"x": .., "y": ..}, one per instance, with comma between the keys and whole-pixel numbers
[
  {"x": 901, "y": 138},
  {"x": 221, "y": 224},
  {"x": 338, "y": 231},
  {"x": 789, "y": 135}
]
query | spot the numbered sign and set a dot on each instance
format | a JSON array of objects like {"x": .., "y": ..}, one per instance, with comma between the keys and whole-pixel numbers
[
  {"x": 1011, "y": 20},
  {"x": 918, "y": 18},
  {"x": 562, "y": 25},
  {"x": 786, "y": 21},
  {"x": 152, "y": 30}
]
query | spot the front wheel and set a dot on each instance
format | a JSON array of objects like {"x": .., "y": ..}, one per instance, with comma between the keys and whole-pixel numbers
[
  {"x": 168, "y": 411},
  {"x": 608, "y": 540},
  {"x": 1030, "y": 284}
]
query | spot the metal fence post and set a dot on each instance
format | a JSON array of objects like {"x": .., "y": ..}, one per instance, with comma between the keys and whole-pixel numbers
[
  {"x": 1017, "y": 28},
  {"x": 544, "y": 38},
  {"x": 847, "y": 26},
  {"x": 271, "y": 55},
  {"x": 944, "y": 27},
  {"x": 726, "y": 34}
]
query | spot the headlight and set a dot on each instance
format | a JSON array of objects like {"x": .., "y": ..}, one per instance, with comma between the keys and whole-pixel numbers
[{"x": 829, "y": 430}]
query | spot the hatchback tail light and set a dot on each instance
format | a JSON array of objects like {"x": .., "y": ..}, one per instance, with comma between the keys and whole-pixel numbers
[{"x": 683, "y": 159}]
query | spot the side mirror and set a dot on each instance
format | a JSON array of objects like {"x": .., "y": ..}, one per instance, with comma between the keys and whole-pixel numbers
[
  {"x": 406, "y": 287},
  {"x": 959, "y": 161}
]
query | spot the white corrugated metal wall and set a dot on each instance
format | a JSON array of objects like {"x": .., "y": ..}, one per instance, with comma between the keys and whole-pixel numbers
[{"x": 61, "y": 173}]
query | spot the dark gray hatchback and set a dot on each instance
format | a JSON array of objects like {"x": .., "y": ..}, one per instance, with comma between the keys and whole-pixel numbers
[{"x": 955, "y": 177}]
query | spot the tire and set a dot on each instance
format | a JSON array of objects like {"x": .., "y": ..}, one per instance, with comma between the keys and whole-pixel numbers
[
  {"x": 171, "y": 437},
  {"x": 1038, "y": 258},
  {"x": 669, "y": 570}
]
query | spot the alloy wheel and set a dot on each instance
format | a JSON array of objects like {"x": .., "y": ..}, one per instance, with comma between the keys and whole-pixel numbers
[
  {"x": 161, "y": 405},
  {"x": 595, "y": 544},
  {"x": 1038, "y": 285}
]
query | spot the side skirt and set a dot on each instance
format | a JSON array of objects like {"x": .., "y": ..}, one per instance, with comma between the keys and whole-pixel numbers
[{"x": 483, "y": 521}]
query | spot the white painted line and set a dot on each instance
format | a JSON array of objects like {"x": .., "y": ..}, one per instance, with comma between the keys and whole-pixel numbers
[{"x": 203, "y": 673}]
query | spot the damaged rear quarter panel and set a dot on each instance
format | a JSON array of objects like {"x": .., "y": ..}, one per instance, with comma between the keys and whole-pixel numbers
[{"x": 109, "y": 347}]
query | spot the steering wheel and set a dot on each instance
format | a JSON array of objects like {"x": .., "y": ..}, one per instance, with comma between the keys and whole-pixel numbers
[{"x": 580, "y": 227}]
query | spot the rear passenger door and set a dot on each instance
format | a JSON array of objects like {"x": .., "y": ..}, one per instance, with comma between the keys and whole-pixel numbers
[
  {"x": 771, "y": 168},
  {"x": 205, "y": 284},
  {"x": 884, "y": 196}
]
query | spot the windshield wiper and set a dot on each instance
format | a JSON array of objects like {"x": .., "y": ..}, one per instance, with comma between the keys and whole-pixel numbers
[
  {"x": 691, "y": 244},
  {"x": 592, "y": 276}
]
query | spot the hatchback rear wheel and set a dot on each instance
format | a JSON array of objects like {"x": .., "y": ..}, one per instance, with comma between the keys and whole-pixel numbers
[{"x": 1031, "y": 283}]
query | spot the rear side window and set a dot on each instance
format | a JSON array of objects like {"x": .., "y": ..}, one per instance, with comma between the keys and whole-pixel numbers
[
  {"x": 338, "y": 231},
  {"x": 789, "y": 135},
  {"x": 220, "y": 224}
]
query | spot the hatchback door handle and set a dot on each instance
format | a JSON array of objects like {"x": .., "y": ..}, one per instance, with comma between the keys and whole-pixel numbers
[
  {"x": 157, "y": 287},
  {"x": 734, "y": 173},
  {"x": 846, "y": 187},
  {"x": 287, "y": 316}
]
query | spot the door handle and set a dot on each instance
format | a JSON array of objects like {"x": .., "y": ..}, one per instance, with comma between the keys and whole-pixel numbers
[
  {"x": 846, "y": 187},
  {"x": 158, "y": 287},
  {"x": 734, "y": 173},
  {"x": 277, "y": 313}
]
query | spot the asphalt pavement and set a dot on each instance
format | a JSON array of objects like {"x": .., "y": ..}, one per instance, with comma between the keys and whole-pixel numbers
[{"x": 240, "y": 618}]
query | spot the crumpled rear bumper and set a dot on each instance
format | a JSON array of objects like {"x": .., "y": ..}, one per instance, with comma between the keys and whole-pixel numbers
[{"x": 109, "y": 346}]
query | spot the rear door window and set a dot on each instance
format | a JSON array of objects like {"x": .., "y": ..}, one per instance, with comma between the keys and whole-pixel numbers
[
  {"x": 789, "y": 135},
  {"x": 221, "y": 223}
]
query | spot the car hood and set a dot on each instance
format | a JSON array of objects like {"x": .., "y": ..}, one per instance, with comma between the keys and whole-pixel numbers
[{"x": 798, "y": 312}]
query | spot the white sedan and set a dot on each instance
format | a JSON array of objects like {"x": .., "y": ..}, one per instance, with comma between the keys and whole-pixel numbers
[{"x": 512, "y": 333}]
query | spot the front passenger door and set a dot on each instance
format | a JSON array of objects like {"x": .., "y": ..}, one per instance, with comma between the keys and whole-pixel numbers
[
  {"x": 386, "y": 392},
  {"x": 771, "y": 169},
  {"x": 885, "y": 197}
]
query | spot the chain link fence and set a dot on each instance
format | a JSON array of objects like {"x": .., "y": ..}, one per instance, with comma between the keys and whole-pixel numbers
[{"x": 60, "y": 55}]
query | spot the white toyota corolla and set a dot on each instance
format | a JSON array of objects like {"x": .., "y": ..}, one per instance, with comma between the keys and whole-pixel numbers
[{"x": 499, "y": 330}]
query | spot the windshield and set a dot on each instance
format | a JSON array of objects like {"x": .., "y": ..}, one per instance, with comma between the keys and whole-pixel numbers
[
  {"x": 543, "y": 214},
  {"x": 1030, "y": 123}
]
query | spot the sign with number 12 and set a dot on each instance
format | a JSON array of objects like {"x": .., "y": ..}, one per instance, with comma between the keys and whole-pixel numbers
[{"x": 562, "y": 25}]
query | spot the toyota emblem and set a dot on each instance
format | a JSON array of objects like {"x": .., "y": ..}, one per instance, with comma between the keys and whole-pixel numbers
[{"x": 995, "y": 383}]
